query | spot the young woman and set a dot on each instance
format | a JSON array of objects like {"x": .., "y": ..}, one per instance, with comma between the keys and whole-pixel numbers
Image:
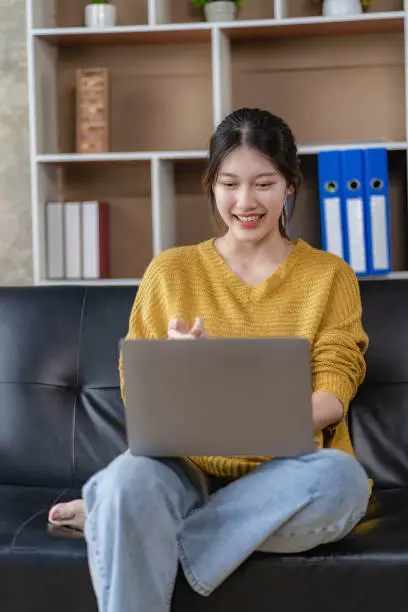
[{"x": 144, "y": 516}]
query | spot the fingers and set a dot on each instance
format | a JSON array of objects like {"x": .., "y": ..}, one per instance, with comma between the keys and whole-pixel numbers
[
  {"x": 179, "y": 330},
  {"x": 178, "y": 325},
  {"x": 175, "y": 335},
  {"x": 197, "y": 328}
]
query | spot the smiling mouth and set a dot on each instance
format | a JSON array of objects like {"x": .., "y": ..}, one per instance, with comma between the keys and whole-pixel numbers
[{"x": 249, "y": 221}]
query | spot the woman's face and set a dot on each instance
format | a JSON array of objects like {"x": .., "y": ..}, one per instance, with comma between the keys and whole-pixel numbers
[{"x": 250, "y": 195}]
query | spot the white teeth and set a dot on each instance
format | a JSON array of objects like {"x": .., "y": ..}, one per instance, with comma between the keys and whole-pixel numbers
[{"x": 251, "y": 219}]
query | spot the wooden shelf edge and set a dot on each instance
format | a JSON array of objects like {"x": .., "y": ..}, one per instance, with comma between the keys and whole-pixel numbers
[
  {"x": 374, "y": 16},
  {"x": 201, "y": 32},
  {"x": 130, "y": 29},
  {"x": 400, "y": 275},
  {"x": 103, "y": 282},
  {"x": 170, "y": 33},
  {"x": 390, "y": 145},
  {"x": 105, "y": 158}
]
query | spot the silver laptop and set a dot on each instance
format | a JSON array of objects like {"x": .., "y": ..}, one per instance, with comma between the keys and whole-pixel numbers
[{"x": 232, "y": 396}]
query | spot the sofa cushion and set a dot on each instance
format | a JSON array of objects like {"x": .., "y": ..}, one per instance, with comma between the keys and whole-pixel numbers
[
  {"x": 379, "y": 413},
  {"x": 60, "y": 406}
]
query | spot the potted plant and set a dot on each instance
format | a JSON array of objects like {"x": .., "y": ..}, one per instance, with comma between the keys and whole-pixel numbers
[
  {"x": 344, "y": 8},
  {"x": 218, "y": 10},
  {"x": 100, "y": 14}
]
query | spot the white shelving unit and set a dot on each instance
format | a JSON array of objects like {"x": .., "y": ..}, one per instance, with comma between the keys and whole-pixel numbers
[{"x": 223, "y": 56}]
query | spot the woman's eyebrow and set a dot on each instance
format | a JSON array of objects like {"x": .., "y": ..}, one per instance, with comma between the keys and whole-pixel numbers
[{"x": 273, "y": 173}]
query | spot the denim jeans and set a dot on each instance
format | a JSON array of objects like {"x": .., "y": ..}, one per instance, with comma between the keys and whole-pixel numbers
[{"x": 146, "y": 516}]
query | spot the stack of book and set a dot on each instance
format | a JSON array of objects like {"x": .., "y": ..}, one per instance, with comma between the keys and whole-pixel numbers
[{"x": 77, "y": 240}]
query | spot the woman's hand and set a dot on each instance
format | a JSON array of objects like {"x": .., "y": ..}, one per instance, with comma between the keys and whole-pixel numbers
[
  {"x": 327, "y": 410},
  {"x": 71, "y": 514},
  {"x": 179, "y": 330}
]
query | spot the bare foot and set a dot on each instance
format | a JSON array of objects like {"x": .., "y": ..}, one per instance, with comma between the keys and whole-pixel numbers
[{"x": 71, "y": 514}]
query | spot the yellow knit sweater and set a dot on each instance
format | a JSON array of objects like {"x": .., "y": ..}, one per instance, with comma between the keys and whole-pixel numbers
[{"x": 312, "y": 294}]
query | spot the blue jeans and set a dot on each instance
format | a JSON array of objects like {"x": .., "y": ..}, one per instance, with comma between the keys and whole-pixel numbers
[{"x": 146, "y": 516}]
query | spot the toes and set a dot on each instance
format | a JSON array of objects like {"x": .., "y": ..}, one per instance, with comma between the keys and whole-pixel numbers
[{"x": 62, "y": 512}]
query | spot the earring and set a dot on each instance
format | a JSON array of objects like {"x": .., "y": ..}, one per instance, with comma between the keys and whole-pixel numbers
[
  {"x": 283, "y": 220},
  {"x": 284, "y": 215}
]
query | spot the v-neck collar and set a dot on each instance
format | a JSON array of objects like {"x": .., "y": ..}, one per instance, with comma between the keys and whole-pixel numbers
[{"x": 271, "y": 281}]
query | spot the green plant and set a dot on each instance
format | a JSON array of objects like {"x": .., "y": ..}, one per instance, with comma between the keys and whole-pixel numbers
[
  {"x": 201, "y": 3},
  {"x": 100, "y": 1}
]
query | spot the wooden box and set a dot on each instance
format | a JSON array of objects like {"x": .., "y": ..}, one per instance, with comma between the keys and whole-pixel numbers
[{"x": 92, "y": 110}]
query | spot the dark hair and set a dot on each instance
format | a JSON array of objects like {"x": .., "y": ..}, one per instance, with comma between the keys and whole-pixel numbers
[{"x": 264, "y": 132}]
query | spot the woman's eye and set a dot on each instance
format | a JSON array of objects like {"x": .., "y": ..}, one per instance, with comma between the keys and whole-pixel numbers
[
  {"x": 264, "y": 185},
  {"x": 229, "y": 185}
]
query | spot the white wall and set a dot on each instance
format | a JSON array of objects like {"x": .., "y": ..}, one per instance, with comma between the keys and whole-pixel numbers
[{"x": 15, "y": 215}]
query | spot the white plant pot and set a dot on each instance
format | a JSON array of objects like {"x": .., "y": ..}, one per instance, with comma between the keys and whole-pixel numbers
[
  {"x": 341, "y": 8},
  {"x": 220, "y": 11},
  {"x": 100, "y": 15}
]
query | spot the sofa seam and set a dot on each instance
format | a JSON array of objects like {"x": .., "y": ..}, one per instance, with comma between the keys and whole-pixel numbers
[
  {"x": 74, "y": 417},
  {"x": 24, "y": 524}
]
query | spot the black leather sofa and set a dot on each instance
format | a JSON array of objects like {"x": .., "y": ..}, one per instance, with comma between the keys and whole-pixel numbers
[{"x": 61, "y": 419}]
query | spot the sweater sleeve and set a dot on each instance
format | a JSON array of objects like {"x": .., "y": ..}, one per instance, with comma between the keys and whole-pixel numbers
[
  {"x": 338, "y": 362},
  {"x": 147, "y": 317}
]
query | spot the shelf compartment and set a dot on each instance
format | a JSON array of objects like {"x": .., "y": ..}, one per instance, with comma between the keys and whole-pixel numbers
[
  {"x": 306, "y": 224},
  {"x": 312, "y": 8},
  {"x": 183, "y": 11},
  {"x": 63, "y": 13},
  {"x": 328, "y": 89},
  {"x": 168, "y": 86},
  {"x": 368, "y": 23},
  {"x": 181, "y": 212},
  {"x": 126, "y": 189},
  {"x": 397, "y": 167},
  {"x": 305, "y": 219},
  {"x": 194, "y": 220}
]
